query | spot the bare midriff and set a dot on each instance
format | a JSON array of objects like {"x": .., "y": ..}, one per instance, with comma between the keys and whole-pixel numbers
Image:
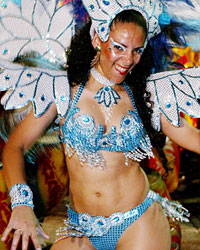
[{"x": 118, "y": 188}]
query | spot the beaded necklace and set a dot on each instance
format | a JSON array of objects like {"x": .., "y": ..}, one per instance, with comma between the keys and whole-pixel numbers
[{"x": 106, "y": 96}]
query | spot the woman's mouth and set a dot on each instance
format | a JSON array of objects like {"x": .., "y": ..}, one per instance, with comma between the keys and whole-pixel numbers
[{"x": 121, "y": 70}]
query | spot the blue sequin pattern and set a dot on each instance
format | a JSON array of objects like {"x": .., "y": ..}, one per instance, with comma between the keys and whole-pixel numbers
[
  {"x": 81, "y": 135},
  {"x": 103, "y": 12},
  {"x": 104, "y": 232},
  {"x": 21, "y": 194}
]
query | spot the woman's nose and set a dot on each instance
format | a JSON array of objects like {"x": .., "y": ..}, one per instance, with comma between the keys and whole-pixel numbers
[{"x": 129, "y": 58}]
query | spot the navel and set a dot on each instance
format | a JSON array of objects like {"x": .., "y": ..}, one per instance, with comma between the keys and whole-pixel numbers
[{"x": 98, "y": 194}]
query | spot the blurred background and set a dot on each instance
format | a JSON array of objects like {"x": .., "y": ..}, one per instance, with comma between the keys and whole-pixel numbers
[{"x": 47, "y": 175}]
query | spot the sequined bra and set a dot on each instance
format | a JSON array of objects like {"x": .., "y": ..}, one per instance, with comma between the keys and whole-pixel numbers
[{"x": 81, "y": 135}]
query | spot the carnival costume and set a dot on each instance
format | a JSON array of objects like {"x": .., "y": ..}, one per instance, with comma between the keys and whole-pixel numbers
[
  {"x": 171, "y": 92},
  {"x": 81, "y": 135}
]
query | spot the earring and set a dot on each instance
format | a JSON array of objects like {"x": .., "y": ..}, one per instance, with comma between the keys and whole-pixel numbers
[
  {"x": 98, "y": 48},
  {"x": 96, "y": 59}
]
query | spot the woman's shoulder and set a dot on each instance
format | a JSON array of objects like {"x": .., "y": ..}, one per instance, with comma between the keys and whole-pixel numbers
[{"x": 74, "y": 88}]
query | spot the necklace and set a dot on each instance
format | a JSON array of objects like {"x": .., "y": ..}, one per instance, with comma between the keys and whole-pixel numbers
[
  {"x": 106, "y": 95},
  {"x": 99, "y": 78}
]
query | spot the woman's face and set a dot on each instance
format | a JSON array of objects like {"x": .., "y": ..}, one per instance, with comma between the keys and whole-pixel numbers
[{"x": 121, "y": 52}]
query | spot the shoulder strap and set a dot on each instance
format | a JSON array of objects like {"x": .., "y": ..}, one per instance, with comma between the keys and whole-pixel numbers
[{"x": 77, "y": 95}]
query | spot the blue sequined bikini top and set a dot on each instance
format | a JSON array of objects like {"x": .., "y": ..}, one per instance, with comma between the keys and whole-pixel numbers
[{"x": 81, "y": 136}]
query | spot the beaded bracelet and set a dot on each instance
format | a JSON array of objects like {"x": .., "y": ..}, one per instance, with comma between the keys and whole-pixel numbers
[{"x": 21, "y": 194}]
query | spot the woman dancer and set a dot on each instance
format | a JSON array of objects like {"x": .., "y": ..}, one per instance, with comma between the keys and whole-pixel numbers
[{"x": 106, "y": 133}]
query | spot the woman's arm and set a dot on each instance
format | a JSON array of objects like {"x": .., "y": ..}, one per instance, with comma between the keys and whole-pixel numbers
[
  {"x": 185, "y": 136},
  {"x": 23, "y": 220},
  {"x": 25, "y": 134}
]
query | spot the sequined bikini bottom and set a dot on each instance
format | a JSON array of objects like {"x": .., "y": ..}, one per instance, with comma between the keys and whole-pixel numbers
[{"x": 104, "y": 232}]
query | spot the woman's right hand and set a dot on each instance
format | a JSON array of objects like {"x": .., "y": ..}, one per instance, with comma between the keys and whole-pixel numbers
[{"x": 25, "y": 226}]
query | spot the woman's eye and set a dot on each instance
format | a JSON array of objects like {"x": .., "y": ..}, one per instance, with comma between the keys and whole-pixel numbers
[
  {"x": 139, "y": 51},
  {"x": 118, "y": 47}
]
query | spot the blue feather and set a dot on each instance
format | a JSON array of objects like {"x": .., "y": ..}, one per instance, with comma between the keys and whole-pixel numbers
[{"x": 80, "y": 13}]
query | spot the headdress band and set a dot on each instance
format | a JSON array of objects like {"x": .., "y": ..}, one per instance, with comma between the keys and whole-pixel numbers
[{"x": 102, "y": 13}]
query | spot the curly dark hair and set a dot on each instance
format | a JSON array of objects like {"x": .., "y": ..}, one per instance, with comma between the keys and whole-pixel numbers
[{"x": 81, "y": 53}]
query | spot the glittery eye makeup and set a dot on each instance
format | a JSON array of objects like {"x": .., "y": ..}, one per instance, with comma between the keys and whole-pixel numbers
[
  {"x": 118, "y": 48},
  {"x": 117, "y": 45}
]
